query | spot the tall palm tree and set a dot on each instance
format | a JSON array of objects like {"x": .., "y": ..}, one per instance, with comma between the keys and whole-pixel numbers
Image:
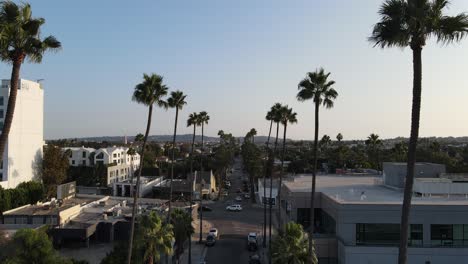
[
  {"x": 177, "y": 101},
  {"x": 253, "y": 133},
  {"x": 291, "y": 246},
  {"x": 150, "y": 92},
  {"x": 271, "y": 160},
  {"x": 318, "y": 87},
  {"x": 191, "y": 121},
  {"x": 406, "y": 23},
  {"x": 20, "y": 39},
  {"x": 339, "y": 137},
  {"x": 287, "y": 116},
  {"x": 269, "y": 117},
  {"x": 203, "y": 119},
  {"x": 374, "y": 143},
  {"x": 157, "y": 237}
]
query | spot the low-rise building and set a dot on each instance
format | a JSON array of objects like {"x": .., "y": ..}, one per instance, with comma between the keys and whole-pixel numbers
[
  {"x": 206, "y": 182},
  {"x": 357, "y": 220}
]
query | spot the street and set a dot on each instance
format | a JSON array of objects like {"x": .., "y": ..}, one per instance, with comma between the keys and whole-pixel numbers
[{"x": 231, "y": 247}]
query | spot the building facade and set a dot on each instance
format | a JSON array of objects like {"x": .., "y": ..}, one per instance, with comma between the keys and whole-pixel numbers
[
  {"x": 22, "y": 157},
  {"x": 120, "y": 166},
  {"x": 357, "y": 220}
]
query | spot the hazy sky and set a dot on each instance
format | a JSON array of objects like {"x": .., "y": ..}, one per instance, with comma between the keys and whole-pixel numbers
[{"x": 235, "y": 59}]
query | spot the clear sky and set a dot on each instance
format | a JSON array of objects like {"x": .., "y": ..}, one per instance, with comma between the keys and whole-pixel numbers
[{"x": 235, "y": 59}]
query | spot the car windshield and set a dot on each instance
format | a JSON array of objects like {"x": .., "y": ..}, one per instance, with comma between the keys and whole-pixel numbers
[
  {"x": 209, "y": 238},
  {"x": 213, "y": 230}
]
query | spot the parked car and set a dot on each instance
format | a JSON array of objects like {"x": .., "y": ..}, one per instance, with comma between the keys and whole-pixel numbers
[
  {"x": 210, "y": 240},
  {"x": 205, "y": 209},
  {"x": 238, "y": 199},
  {"x": 254, "y": 259},
  {"x": 214, "y": 232},
  {"x": 247, "y": 196},
  {"x": 234, "y": 208}
]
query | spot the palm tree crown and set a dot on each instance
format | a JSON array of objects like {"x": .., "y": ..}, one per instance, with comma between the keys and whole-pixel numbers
[
  {"x": 316, "y": 86},
  {"x": 177, "y": 100},
  {"x": 151, "y": 91},
  {"x": 20, "y": 34},
  {"x": 286, "y": 115},
  {"x": 410, "y": 23},
  {"x": 203, "y": 118}
]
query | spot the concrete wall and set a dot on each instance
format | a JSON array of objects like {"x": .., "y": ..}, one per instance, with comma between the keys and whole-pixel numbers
[
  {"x": 23, "y": 153},
  {"x": 394, "y": 173}
]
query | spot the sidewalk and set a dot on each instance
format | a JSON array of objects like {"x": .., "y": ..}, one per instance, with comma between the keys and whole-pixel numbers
[{"x": 198, "y": 250}]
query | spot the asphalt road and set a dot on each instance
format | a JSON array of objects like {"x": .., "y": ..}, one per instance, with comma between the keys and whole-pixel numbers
[{"x": 233, "y": 227}]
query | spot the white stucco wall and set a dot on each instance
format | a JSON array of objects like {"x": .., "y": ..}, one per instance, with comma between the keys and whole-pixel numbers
[{"x": 23, "y": 153}]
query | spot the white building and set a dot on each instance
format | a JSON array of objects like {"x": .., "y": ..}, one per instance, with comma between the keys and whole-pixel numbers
[
  {"x": 120, "y": 165},
  {"x": 23, "y": 152}
]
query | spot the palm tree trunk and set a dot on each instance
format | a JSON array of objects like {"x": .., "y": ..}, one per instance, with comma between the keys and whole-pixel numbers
[
  {"x": 191, "y": 193},
  {"x": 314, "y": 176},
  {"x": 14, "y": 83},
  {"x": 201, "y": 183},
  {"x": 281, "y": 176},
  {"x": 408, "y": 192},
  {"x": 272, "y": 162},
  {"x": 137, "y": 189},
  {"x": 264, "y": 188},
  {"x": 172, "y": 165}
]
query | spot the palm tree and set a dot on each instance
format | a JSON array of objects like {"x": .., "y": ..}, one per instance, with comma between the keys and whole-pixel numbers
[
  {"x": 203, "y": 119},
  {"x": 19, "y": 40},
  {"x": 177, "y": 101},
  {"x": 157, "y": 237},
  {"x": 317, "y": 87},
  {"x": 409, "y": 24},
  {"x": 272, "y": 154},
  {"x": 183, "y": 229},
  {"x": 374, "y": 143},
  {"x": 339, "y": 137},
  {"x": 291, "y": 246},
  {"x": 269, "y": 117},
  {"x": 253, "y": 133},
  {"x": 286, "y": 116},
  {"x": 192, "y": 121},
  {"x": 132, "y": 152},
  {"x": 151, "y": 91}
]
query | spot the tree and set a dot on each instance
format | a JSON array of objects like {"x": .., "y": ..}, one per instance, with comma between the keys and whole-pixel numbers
[
  {"x": 177, "y": 101},
  {"x": 374, "y": 145},
  {"x": 157, "y": 237},
  {"x": 291, "y": 246},
  {"x": 409, "y": 24},
  {"x": 287, "y": 116},
  {"x": 324, "y": 143},
  {"x": 183, "y": 229},
  {"x": 19, "y": 40},
  {"x": 276, "y": 108},
  {"x": 55, "y": 166},
  {"x": 151, "y": 91},
  {"x": 252, "y": 134},
  {"x": 192, "y": 121},
  {"x": 339, "y": 137},
  {"x": 203, "y": 119},
  {"x": 31, "y": 246},
  {"x": 317, "y": 87}
]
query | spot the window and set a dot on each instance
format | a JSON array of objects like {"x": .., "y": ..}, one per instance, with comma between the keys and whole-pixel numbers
[
  {"x": 449, "y": 235},
  {"x": 386, "y": 234},
  {"x": 1, "y": 124},
  {"x": 1, "y": 113},
  {"x": 1, "y": 101},
  {"x": 84, "y": 162},
  {"x": 115, "y": 155},
  {"x": 84, "y": 154},
  {"x": 100, "y": 156},
  {"x": 73, "y": 162}
]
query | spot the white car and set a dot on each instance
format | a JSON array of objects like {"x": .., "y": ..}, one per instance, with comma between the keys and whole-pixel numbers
[
  {"x": 234, "y": 207},
  {"x": 238, "y": 199},
  {"x": 252, "y": 237},
  {"x": 214, "y": 232}
]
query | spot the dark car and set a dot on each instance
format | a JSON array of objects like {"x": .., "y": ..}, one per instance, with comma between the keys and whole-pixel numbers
[
  {"x": 205, "y": 209},
  {"x": 255, "y": 259},
  {"x": 210, "y": 240},
  {"x": 252, "y": 245}
]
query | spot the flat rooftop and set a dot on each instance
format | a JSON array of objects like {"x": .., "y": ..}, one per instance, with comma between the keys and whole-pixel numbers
[
  {"x": 346, "y": 189},
  {"x": 44, "y": 209}
]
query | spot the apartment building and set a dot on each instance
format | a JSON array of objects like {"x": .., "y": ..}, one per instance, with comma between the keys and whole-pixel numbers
[
  {"x": 120, "y": 166},
  {"x": 357, "y": 218},
  {"x": 22, "y": 157}
]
